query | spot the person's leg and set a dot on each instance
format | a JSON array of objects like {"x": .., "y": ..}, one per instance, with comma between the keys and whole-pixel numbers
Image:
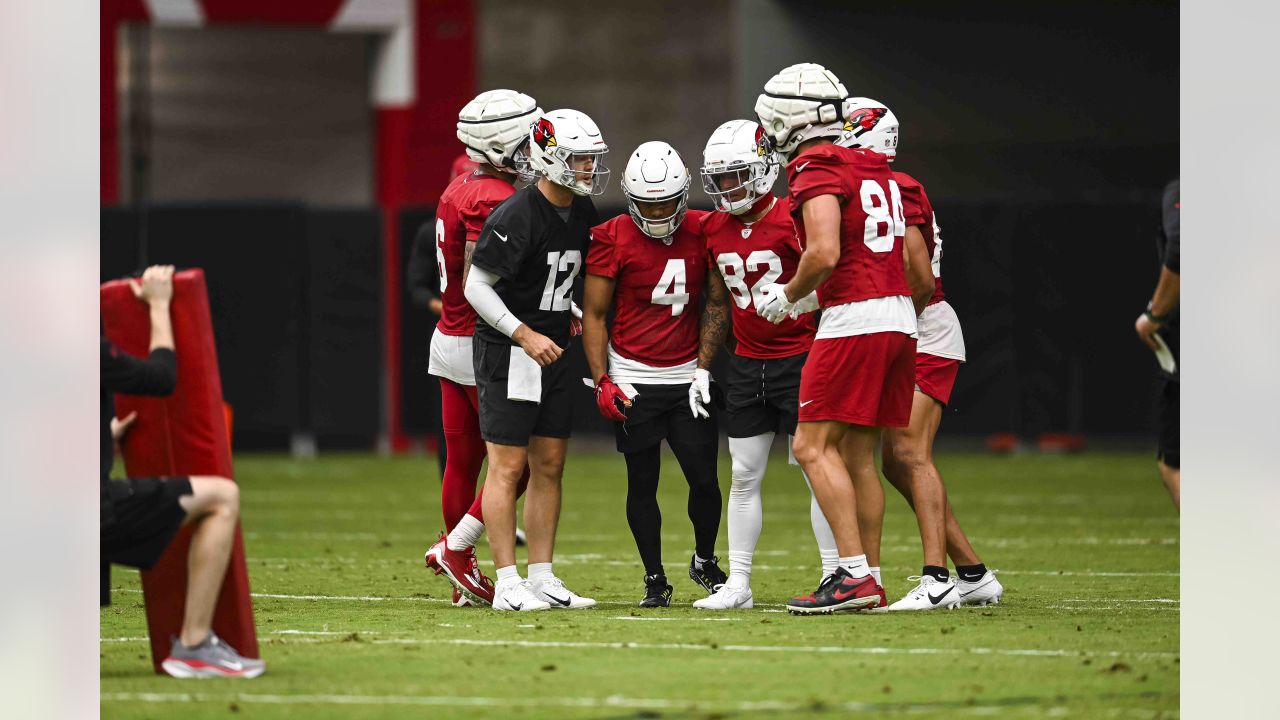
[
  {"x": 1172, "y": 477},
  {"x": 696, "y": 446},
  {"x": 542, "y": 506},
  {"x": 870, "y": 494},
  {"x": 643, "y": 514},
  {"x": 213, "y": 507},
  {"x": 745, "y": 511},
  {"x": 466, "y": 450},
  {"x": 828, "y": 555},
  {"x": 908, "y": 464},
  {"x": 506, "y": 464},
  {"x": 817, "y": 449}
]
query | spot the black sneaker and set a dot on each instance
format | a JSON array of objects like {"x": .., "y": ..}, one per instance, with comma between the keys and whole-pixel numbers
[
  {"x": 710, "y": 577},
  {"x": 839, "y": 593},
  {"x": 657, "y": 593}
]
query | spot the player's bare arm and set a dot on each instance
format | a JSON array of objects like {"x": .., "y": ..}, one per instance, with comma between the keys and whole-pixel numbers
[
  {"x": 467, "y": 252},
  {"x": 597, "y": 297},
  {"x": 716, "y": 321},
  {"x": 915, "y": 262},
  {"x": 822, "y": 228}
]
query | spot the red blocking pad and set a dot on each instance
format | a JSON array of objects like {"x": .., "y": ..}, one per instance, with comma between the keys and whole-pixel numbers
[{"x": 182, "y": 434}]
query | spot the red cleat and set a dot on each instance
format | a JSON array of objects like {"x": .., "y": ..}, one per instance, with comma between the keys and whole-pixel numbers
[
  {"x": 462, "y": 569},
  {"x": 460, "y": 600},
  {"x": 840, "y": 593}
]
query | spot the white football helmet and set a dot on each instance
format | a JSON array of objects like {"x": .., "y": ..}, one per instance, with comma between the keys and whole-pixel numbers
[
  {"x": 655, "y": 173},
  {"x": 738, "y": 166},
  {"x": 494, "y": 127},
  {"x": 870, "y": 124},
  {"x": 566, "y": 147},
  {"x": 801, "y": 102}
]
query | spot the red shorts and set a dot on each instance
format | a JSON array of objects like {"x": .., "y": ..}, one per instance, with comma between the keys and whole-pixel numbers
[
  {"x": 935, "y": 376},
  {"x": 860, "y": 380}
]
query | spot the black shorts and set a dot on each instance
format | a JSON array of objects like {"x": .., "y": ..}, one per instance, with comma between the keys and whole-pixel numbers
[
  {"x": 659, "y": 412},
  {"x": 763, "y": 396},
  {"x": 140, "y": 518},
  {"x": 512, "y": 422},
  {"x": 1167, "y": 409}
]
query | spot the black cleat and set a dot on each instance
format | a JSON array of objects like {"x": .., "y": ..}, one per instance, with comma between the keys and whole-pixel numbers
[
  {"x": 657, "y": 593},
  {"x": 710, "y": 577}
]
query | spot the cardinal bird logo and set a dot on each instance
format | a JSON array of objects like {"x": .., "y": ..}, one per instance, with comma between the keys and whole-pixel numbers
[
  {"x": 863, "y": 119},
  {"x": 762, "y": 142},
  {"x": 544, "y": 133}
]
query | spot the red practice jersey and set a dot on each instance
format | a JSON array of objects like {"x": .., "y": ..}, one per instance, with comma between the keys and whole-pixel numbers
[
  {"x": 917, "y": 210},
  {"x": 871, "y": 228},
  {"x": 657, "y": 301},
  {"x": 748, "y": 260},
  {"x": 464, "y": 207}
]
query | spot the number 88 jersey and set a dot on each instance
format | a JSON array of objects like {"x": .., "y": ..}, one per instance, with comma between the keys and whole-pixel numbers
[
  {"x": 748, "y": 259},
  {"x": 657, "y": 297}
]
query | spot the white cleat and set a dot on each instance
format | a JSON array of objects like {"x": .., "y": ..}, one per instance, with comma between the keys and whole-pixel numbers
[
  {"x": 727, "y": 598},
  {"x": 986, "y": 590},
  {"x": 552, "y": 591},
  {"x": 516, "y": 595},
  {"x": 929, "y": 595}
]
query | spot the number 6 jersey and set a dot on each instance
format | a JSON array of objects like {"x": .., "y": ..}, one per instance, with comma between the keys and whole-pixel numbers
[
  {"x": 657, "y": 299},
  {"x": 748, "y": 258},
  {"x": 538, "y": 256}
]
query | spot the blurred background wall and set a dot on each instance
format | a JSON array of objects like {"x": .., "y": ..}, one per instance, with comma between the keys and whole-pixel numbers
[{"x": 238, "y": 137}]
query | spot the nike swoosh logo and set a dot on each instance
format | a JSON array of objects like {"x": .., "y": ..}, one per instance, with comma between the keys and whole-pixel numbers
[
  {"x": 936, "y": 600},
  {"x": 853, "y": 590},
  {"x": 516, "y": 607},
  {"x": 806, "y": 402},
  {"x": 237, "y": 666},
  {"x": 801, "y": 167},
  {"x": 963, "y": 593},
  {"x": 501, "y": 237},
  {"x": 563, "y": 603}
]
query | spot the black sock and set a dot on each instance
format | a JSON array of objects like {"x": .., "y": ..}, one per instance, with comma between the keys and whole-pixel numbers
[
  {"x": 971, "y": 573},
  {"x": 937, "y": 573},
  {"x": 643, "y": 514}
]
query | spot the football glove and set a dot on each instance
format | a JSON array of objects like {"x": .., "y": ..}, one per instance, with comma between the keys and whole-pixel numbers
[
  {"x": 575, "y": 319},
  {"x": 775, "y": 305},
  {"x": 806, "y": 304},
  {"x": 608, "y": 396},
  {"x": 700, "y": 393}
]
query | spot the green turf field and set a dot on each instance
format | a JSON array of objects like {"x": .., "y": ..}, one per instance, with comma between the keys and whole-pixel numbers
[{"x": 353, "y": 626}]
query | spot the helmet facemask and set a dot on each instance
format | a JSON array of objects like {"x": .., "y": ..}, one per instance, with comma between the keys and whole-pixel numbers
[
  {"x": 736, "y": 188},
  {"x": 662, "y": 228}
]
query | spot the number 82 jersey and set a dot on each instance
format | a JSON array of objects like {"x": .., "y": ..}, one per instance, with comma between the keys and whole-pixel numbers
[
  {"x": 657, "y": 297},
  {"x": 748, "y": 259}
]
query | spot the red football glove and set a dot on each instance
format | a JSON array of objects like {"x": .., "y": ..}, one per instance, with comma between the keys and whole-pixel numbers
[{"x": 608, "y": 396}]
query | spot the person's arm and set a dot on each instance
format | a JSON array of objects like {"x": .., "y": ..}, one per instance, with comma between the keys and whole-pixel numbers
[
  {"x": 157, "y": 375},
  {"x": 480, "y": 292},
  {"x": 156, "y": 290},
  {"x": 916, "y": 263},
  {"x": 716, "y": 319},
  {"x": 821, "y": 217},
  {"x": 1165, "y": 299},
  {"x": 597, "y": 296},
  {"x": 423, "y": 274}
]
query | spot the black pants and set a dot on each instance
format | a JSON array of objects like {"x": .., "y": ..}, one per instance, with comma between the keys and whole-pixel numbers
[{"x": 662, "y": 412}]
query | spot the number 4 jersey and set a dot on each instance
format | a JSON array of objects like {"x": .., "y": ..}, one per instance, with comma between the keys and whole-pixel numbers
[
  {"x": 657, "y": 299},
  {"x": 537, "y": 255},
  {"x": 748, "y": 258}
]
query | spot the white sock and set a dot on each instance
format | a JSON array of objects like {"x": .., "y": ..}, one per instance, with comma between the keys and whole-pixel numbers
[
  {"x": 875, "y": 573},
  {"x": 745, "y": 513},
  {"x": 508, "y": 574},
  {"x": 539, "y": 571},
  {"x": 856, "y": 565},
  {"x": 465, "y": 534},
  {"x": 822, "y": 532}
]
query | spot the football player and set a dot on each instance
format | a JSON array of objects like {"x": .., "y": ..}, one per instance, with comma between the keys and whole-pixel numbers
[
  {"x": 859, "y": 375},
  {"x": 650, "y": 266},
  {"x": 908, "y": 452},
  {"x": 494, "y": 129},
  {"x": 527, "y": 257},
  {"x": 751, "y": 242}
]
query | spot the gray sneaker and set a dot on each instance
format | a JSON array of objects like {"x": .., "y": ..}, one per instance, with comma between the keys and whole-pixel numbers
[{"x": 211, "y": 658}]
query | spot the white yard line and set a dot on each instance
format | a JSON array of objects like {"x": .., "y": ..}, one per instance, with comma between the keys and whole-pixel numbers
[{"x": 803, "y": 649}]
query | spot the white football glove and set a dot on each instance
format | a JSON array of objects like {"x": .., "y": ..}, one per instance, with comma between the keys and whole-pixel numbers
[
  {"x": 806, "y": 304},
  {"x": 700, "y": 393},
  {"x": 775, "y": 305}
]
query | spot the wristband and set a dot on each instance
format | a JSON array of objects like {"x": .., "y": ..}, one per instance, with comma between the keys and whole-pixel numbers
[{"x": 1157, "y": 319}]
